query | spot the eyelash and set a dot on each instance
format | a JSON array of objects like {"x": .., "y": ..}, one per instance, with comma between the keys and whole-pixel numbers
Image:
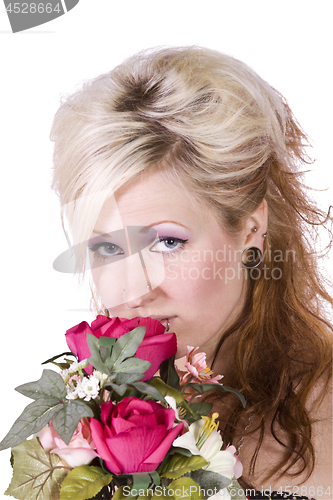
[
  {"x": 95, "y": 248},
  {"x": 171, "y": 252}
]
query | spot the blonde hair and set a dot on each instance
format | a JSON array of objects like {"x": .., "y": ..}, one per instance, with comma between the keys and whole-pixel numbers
[
  {"x": 232, "y": 139},
  {"x": 206, "y": 113}
]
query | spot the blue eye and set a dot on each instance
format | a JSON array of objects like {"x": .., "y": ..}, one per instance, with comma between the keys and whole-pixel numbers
[
  {"x": 104, "y": 250},
  {"x": 168, "y": 245}
]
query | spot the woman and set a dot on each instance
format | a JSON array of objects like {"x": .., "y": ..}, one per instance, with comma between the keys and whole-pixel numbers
[{"x": 180, "y": 172}]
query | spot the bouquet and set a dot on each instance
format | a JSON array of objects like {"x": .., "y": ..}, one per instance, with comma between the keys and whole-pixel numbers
[{"x": 106, "y": 427}]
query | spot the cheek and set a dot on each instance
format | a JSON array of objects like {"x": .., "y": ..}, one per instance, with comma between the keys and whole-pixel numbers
[
  {"x": 121, "y": 281},
  {"x": 204, "y": 281},
  {"x": 99, "y": 280},
  {"x": 103, "y": 278}
]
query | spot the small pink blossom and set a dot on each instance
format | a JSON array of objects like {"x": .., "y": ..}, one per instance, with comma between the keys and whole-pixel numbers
[
  {"x": 80, "y": 450},
  {"x": 197, "y": 369},
  {"x": 238, "y": 467}
]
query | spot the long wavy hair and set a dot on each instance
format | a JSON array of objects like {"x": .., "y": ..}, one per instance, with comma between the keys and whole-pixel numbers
[{"x": 231, "y": 139}]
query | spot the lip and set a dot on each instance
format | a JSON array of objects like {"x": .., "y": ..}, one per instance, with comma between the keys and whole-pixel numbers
[{"x": 164, "y": 320}]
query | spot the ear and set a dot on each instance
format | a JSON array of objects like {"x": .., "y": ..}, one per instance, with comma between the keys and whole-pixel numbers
[{"x": 256, "y": 227}]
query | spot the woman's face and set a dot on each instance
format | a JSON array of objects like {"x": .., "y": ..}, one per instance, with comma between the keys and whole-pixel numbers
[{"x": 160, "y": 236}]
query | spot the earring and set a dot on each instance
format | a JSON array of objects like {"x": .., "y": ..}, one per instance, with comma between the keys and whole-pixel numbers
[
  {"x": 264, "y": 235},
  {"x": 148, "y": 287},
  {"x": 251, "y": 257},
  {"x": 254, "y": 229}
]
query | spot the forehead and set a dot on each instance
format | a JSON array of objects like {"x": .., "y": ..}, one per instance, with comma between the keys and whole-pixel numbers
[{"x": 155, "y": 198}]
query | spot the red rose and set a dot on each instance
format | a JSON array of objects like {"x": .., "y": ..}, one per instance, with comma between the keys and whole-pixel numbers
[
  {"x": 156, "y": 346},
  {"x": 135, "y": 435}
]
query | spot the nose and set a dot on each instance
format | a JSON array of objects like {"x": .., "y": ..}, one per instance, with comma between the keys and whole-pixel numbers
[
  {"x": 137, "y": 290},
  {"x": 141, "y": 301}
]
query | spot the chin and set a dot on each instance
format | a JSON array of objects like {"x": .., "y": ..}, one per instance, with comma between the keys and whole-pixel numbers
[{"x": 181, "y": 352}]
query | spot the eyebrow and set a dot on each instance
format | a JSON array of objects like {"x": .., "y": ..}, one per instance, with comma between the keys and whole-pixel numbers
[
  {"x": 148, "y": 226},
  {"x": 103, "y": 233},
  {"x": 165, "y": 221}
]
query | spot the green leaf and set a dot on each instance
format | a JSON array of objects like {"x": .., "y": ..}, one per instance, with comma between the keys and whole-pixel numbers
[
  {"x": 36, "y": 473},
  {"x": 181, "y": 451},
  {"x": 155, "y": 477},
  {"x": 178, "y": 465},
  {"x": 50, "y": 385},
  {"x": 59, "y": 356},
  {"x": 107, "y": 342},
  {"x": 149, "y": 390},
  {"x": 201, "y": 409},
  {"x": 127, "y": 345},
  {"x": 209, "y": 480},
  {"x": 104, "y": 353},
  {"x": 132, "y": 365},
  {"x": 128, "y": 378},
  {"x": 33, "y": 418},
  {"x": 95, "y": 358},
  {"x": 141, "y": 481},
  {"x": 204, "y": 388},
  {"x": 105, "y": 346},
  {"x": 185, "y": 488},
  {"x": 168, "y": 373},
  {"x": 84, "y": 482},
  {"x": 119, "y": 389},
  {"x": 166, "y": 390},
  {"x": 62, "y": 366},
  {"x": 66, "y": 420}
]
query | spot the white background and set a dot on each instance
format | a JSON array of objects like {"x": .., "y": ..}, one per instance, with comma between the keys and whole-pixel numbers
[{"x": 288, "y": 42}]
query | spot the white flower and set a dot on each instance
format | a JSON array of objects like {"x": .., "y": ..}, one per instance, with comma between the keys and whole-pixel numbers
[
  {"x": 88, "y": 388},
  {"x": 72, "y": 386},
  {"x": 178, "y": 411},
  {"x": 75, "y": 368},
  {"x": 72, "y": 394},
  {"x": 172, "y": 403},
  {"x": 102, "y": 377},
  {"x": 204, "y": 439}
]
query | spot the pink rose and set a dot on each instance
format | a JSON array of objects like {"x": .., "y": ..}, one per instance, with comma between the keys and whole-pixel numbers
[
  {"x": 156, "y": 346},
  {"x": 80, "y": 450},
  {"x": 135, "y": 435}
]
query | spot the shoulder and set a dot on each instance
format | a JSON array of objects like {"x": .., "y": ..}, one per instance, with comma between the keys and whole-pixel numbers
[
  {"x": 320, "y": 413},
  {"x": 319, "y": 403},
  {"x": 319, "y": 408}
]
